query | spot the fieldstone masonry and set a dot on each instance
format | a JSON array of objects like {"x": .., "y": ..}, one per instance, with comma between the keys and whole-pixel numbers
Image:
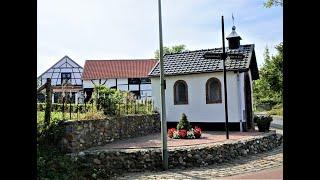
[
  {"x": 80, "y": 135},
  {"x": 118, "y": 161}
]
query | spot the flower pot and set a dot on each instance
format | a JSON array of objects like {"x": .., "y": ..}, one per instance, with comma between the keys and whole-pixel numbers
[
  {"x": 262, "y": 128},
  {"x": 268, "y": 127}
]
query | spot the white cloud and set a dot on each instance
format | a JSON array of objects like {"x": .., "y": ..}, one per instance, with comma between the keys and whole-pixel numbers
[{"x": 118, "y": 29}]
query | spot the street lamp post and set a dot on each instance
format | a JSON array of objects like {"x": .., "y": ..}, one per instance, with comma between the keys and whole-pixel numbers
[{"x": 162, "y": 98}]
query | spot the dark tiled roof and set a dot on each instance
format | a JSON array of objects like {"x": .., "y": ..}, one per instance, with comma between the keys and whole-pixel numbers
[
  {"x": 134, "y": 68},
  {"x": 193, "y": 61}
]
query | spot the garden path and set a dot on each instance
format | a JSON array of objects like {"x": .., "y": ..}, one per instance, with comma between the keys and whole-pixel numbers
[{"x": 154, "y": 140}]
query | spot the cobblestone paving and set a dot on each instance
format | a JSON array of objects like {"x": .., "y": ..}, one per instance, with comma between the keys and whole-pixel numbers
[{"x": 250, "y": 163}]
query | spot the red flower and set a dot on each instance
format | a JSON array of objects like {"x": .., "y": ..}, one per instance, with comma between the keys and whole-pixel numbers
[
  {"x": 170, "y": 132},
  {"x": 182, "y": 133},
  {"x": 197, "y": 132}
]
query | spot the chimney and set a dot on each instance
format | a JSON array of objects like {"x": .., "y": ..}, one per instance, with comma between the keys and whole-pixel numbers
[{"x": 233, "y": 39}]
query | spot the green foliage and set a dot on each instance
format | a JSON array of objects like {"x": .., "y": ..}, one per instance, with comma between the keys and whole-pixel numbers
[
  {"x": 107, "y": 99},
  {"x": 184, "y": 123},
  {"x": 276, "y": 110},
  {"x": 268, "y": 89},
  {"x": 271, "y": 3},
  {"x": 51, "y": 163},
  {"x": 116, "y": 102},
  {"x": 57, "y": 107},
  {"x": 169, "y": 50}
]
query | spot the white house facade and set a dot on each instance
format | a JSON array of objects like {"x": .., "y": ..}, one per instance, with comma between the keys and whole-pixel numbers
[
  {"x": 125, "y": 75},
  {"x": 65, "y": 78},
  {"x": 194, "y": 85},
  {"x": 197, "y": 109}
]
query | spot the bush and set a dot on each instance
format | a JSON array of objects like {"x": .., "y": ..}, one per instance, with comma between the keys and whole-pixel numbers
[
  {"x": 51, "y": 162},
  {"x": 184, "y": 123},
  {"x": 276, "y": 110},
  {"x": 57, "y": 107}
]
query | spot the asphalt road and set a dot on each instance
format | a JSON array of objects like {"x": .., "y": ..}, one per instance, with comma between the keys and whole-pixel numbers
[
  {"x": 274, "y": 173},
  {"x": 277, "y": 122}
]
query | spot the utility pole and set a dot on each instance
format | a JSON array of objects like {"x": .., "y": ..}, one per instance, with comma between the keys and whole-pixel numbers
[{"x": 162, "y": 99}]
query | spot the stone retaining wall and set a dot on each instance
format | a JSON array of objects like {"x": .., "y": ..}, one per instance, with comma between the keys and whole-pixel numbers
[
  {"x": 117, "y": 161},
  {"x": 80, "y": 135}
]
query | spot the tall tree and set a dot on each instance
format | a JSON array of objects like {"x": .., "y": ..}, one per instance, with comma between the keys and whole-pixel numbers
[
  {"x": 271, "y": 3},
  {"x": 172, "y": 49},
  {"x": 268, "y": 89}
]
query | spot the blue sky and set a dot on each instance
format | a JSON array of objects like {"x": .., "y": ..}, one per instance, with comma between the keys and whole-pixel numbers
[{"x": 128, "y": 29}]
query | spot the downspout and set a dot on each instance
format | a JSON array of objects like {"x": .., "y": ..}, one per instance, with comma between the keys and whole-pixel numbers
[{"x": 239, "y": 100}]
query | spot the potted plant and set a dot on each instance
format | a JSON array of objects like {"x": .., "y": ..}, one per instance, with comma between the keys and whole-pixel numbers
[
  {"x": 255, "y": 119},
  {"x": 263, "y": 123}
]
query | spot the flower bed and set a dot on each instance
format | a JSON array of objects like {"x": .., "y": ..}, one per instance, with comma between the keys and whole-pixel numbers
[
  {"x": 184, "y": 130},
  {"x": 193, "y": 133}
]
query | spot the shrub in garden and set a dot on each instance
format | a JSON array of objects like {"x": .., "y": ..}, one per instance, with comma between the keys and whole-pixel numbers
[
  {"x": 183, "y": 123},
  {"x": 107, "y": 99}
]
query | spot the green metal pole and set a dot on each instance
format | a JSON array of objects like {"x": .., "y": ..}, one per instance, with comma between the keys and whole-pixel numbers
[{"x": 162, "y": 99}]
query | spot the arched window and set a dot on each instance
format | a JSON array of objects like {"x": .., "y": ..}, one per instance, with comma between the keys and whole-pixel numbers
[
  {"x": 213, "y": 91},
  {"x": 180, "y": 91}
]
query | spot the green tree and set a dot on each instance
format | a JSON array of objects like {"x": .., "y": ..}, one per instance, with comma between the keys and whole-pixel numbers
[
  {"x": 172, "y": 49},
  {"x": 271, "y": 3},
  {"x": 268, "y": 89},
  {"x": 107, "y": 98}
]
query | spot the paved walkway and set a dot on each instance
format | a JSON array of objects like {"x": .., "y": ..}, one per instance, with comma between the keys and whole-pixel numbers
[
  {"x": 266, "y": 165},
  {"x": 154, "y": 140}
]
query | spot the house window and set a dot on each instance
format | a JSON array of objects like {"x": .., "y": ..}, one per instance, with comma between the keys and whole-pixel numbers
[
  {"x": 136, "y": 94},
  {"x": 134, "y": 80},
  {"x": 65, "y": 78},
  {"x": 145, "y": 81},
  {"x": 213, "y": 91},
  {"x": 180, "y": 91}
]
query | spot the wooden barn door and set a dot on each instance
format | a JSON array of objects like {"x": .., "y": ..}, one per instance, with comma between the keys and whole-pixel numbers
[{"x": 248, "y": 102}]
